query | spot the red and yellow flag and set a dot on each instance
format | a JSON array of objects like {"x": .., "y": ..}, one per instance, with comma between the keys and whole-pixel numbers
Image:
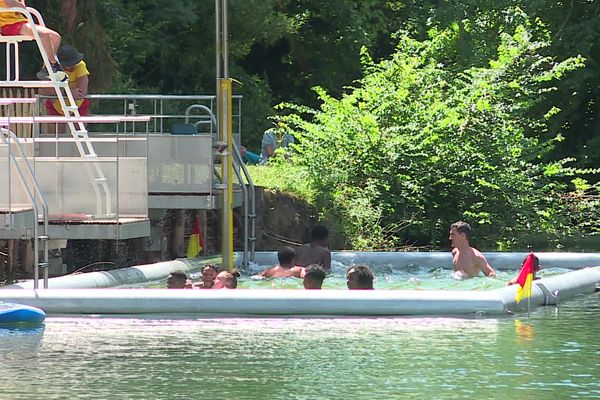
[
  {"x": 524, "y": 279},
  {"x": 196, "y": 243}
]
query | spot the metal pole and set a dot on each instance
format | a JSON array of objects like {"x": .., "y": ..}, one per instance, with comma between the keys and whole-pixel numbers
[
  {"x": 226, "y": 173},
  {"x": 218, "y": 42},
  {"x": 225, "y": 128},
  {"x": 225, "y": 41}
]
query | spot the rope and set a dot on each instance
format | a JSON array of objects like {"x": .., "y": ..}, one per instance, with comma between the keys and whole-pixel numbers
[{"x": 281, "y": 239}]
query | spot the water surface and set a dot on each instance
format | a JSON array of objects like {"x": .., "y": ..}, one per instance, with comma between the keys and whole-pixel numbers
[{"x": 554, "y": 354}]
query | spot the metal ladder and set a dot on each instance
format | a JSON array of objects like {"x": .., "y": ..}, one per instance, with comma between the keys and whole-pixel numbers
[
  {"x": 65, "y": 97},
  {"x": 238, "y": 163}
]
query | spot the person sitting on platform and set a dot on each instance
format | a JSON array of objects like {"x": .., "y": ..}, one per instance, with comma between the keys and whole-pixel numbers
[
  {"x": 359, "y": 277},
  {"x": 226, "y": 280},
  {"x": 177, "y": 280},
  {"x": 16, "y": 24},
  {"x": 286, "y": 268},
  {"x": 209, "y": 273},
  {"x": 315, "y": 252},
  {"x": 314, "y": 276},
  {"x": 536, "y": 269}
]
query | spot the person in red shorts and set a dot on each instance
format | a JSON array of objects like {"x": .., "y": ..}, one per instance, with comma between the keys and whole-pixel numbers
[
  {"x": 78, "y": 75},
  {"x": 15, "y": 23}
]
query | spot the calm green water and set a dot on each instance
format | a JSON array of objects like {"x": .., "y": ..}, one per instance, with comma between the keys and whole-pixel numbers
[{"x": 553, "y": 355}]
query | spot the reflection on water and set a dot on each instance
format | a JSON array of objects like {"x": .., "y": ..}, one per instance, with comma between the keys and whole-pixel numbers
[
  {"x": 16, "y": 342},
  {"x": 550, "y": 355}
]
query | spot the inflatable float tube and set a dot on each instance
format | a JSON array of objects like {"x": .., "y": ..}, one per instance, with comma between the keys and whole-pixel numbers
[
  {"x": 282, "y": 302},
  {"x": 435, "y": 259},
  {"x": 18, "y": 314},
  {"x": 123, "y": 276}
]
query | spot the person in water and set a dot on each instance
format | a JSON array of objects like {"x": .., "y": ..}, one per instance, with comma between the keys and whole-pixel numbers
[
  {"x": 536, "y": 269},
  {"x": 177, "y": 280},
  {"x": 209, "y": 273},
  {"x": 317, "y": 251},
  {"x": 359, "y": 277},
  {"x": 314, "y": 276},
  {"x": 466, "y": 260},
  {"x": 226, "y": 280},
  {"x": 286, "y": 268}
]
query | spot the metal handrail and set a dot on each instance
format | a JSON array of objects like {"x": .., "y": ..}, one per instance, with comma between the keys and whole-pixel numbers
[
  {"x": 239, "y": 162},
  {"x": 7, "y": 134},
  {"x": 77, "y": 129}
]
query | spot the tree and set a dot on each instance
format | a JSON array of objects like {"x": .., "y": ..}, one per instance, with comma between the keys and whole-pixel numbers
[{"x": 420, "y": 143}]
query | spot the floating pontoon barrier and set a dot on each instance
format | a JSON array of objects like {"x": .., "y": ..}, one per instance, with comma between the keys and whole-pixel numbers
[
  {"x": 301, "y": 302},
  {"x": 549, "y": 291},
  {"x": 123, "y": 276},
  {"x": 437, "y": 259}
]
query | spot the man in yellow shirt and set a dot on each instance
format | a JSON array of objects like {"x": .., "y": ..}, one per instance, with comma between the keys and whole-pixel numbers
[
  {"x": 15, "y": 24},
  {"x": 78, "y": 75}
]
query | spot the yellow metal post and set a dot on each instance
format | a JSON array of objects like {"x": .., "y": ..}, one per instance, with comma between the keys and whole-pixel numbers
[{"x": 226, "y": 125}]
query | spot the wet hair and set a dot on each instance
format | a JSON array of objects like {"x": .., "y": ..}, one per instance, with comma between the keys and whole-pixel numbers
[
  {"x": 229, "y": 279},
  {"x": 463, "y": 227},
  {"x": 176, "y": 280},
  {"x": 179, "y": 275},
  {"x": 235, "y": 272},
  {"x": 286, "y": 255},
  {"x": 319, "y": 232},
  {"x": 314, "y": 275},
  {"x": 211, "y": 266},
  {"x": 364, "y": 276}
]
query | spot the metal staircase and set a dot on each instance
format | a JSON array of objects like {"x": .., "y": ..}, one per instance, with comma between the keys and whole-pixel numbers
[
  {"x": 65, "y": 97},
  {"x": 18, "y": 158}
]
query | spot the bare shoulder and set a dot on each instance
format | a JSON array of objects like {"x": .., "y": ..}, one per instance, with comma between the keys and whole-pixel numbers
[
  {"x": 324, "y": 250},
  {"x": 297, "y": 271},
  {"x": 479, "y": 255}
]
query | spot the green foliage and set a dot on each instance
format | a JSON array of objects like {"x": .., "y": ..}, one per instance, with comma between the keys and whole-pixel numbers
[
  {"x": 418, "y": 145},
  {"x": 282, "y": 176}
]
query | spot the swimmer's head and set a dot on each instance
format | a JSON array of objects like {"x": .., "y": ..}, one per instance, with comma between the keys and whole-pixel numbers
[
  {"x": 225, "y": 280},
  {"x": 458, "y": 230},
  {"x": 176, "y": 280},
  {"x": 359, "y": 277},
  {"x": 314, "y": 276},
  {"x": 319, "y": 234},
  {"x": 209, "y": 273},
  {"x": 286, "y": 256}
]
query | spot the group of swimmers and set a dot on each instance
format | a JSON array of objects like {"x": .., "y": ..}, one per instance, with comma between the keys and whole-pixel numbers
[
  {"x": 211, "y": 278},
  {"x": 312, "y": 262},
  {"x": 313, "y": 275}
]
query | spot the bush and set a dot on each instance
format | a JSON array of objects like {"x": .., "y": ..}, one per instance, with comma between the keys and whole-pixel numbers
[{"x": 419, "y": 144}]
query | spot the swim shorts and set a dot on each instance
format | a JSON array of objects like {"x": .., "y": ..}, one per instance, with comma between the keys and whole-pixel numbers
[
  {"x": 12, "y": 29},
  {"x": 84, "y": 108}
]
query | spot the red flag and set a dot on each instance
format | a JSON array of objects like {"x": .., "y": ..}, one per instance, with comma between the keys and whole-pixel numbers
[
  {"x": 524, "y": 279},
  {"x": 196, "y": 243}
]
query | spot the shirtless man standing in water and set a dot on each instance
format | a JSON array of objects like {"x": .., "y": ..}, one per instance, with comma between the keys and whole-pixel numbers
[
  {"x": 317, "y": 251},
  {"x": 467, "y": 261}
]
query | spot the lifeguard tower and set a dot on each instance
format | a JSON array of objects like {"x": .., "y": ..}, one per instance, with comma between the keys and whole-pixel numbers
[{"x": 109, "y": 176}]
